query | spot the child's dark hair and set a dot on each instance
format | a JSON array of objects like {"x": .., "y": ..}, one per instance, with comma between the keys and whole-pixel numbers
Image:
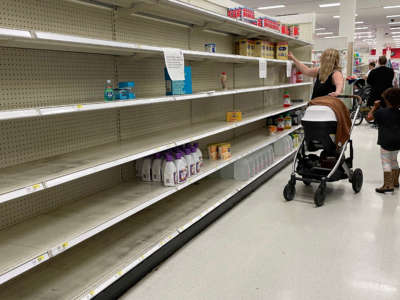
[{"x": 392, "y": 96}]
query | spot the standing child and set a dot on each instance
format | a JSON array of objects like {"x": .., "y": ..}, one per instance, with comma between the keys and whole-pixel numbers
[{"x": 388, "y": 121}]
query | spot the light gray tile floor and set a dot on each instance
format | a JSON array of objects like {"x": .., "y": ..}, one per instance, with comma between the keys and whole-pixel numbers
[{"x": 266, "y": 248}]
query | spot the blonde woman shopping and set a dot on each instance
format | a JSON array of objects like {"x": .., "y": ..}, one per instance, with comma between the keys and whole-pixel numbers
[{"x": 329, "y": 77}]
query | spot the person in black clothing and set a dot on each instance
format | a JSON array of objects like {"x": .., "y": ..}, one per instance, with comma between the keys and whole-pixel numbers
[
  {"x": 380, "y": 79},
  {"x": 371, "y": 66},
  {"x": 329, "y": 77},
  {"x": 388, "y": 121}
]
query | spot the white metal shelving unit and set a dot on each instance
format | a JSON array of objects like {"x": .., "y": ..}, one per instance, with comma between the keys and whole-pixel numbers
[
  {"x": 67, "y": 183},
  {"x": 72, "y": 224},
  {"x": 132, "y": 241},
  {"x": 55, "y": 110}
]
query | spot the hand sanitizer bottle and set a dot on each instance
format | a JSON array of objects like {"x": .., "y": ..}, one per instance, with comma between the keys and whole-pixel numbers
[{"x": 108, "y": 91}]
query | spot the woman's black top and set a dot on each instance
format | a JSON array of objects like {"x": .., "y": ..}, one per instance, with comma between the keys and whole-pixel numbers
[
  {"x": 388, "y": 121},
  {"x": 323, "y": 89}
]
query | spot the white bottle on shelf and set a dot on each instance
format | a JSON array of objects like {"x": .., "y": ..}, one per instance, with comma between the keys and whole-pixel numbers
[
  {"x": 272, "y": 154},
  {"x": 146, "y": 169},
  {"x": 190, "y": 163},
  {"x": 260, "y": 161},
  {"x": 200, "y": 157},
  {"x": 169, "y": 174},
  {"x": 242, "y": 170},
  {"x": 195, "y": 159},
  {"x": 265, "y": 157},
  {"x": 156, "y": 168},
  {"x": 181, "y": 167},
  {"x": 252, "y": 165}
]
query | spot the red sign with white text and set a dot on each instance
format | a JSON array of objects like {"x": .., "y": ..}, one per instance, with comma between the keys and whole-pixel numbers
[{"x": 395, "y": 52}]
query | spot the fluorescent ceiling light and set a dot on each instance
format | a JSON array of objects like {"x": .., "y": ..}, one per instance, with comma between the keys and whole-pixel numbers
[
  {"x": 318, "y": 29},
  {"x": 393, "y": 6},
  {"x": 361, "y": 28},
  {"x": 395, "y": 28},
  {"x": 394, "y": 16},
  {"x": 330, "y": 37},
  {"x": 363, "y": 32},
  {"x": 359, "y": 22},
  {"x": 337, "y": 17},
  {"x": 395, "y": 32},
  {"x": 15, "y": 33},
  {"x": 330, "y": 4},
  {"x": 392, "y": 23},
  {"x": 272, "y": 6},
  {"x": 324, "y": 33}
]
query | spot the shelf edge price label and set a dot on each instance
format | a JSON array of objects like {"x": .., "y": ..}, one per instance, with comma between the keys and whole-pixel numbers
[
  {"x": 34, "y": 188},
  {"x": 288, "y": 69},
  {"x": 262, "y": 66}
]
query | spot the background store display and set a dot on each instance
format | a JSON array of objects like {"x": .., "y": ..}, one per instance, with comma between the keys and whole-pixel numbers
[
  {"x": 296, "y": 76},
  {"x": 243, "y": 14},
  {"x": 268, "y": 23},
  {"x": 220, "y": 151},
  {"x": 282, "y": 50},
  {"x": 286, "y": 100},
  {"x": 171, "y": 167},
  {"x": 211, "y": 48},
  {"x": 262, "y": 48},
  {"x": 248, "y": 15},
  {"x": 234, "y": 116},
  {"x": 282, "y": 122},
  {"x": 179, "y": 87},
  {"x": 253, "y": 164},
  {"x": 123, "y": 92},
  {"x": 108, "y": 91},
  {"x": 223, "y": 78}
]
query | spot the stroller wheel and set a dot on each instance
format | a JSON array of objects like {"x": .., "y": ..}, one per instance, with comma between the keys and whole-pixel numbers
[
  {"x": 306, "y": 182},
  {"x": 359, "y": 117},
  {"x": 320, "y": 194},
  {"x": 289, "y": 192},
  {"x": 357, "y": 180}
]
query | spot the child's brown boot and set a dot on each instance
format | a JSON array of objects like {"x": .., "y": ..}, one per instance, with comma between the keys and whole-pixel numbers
[
  {"x": 387, "y": 183},
  {"x": 395, "y": 174}
]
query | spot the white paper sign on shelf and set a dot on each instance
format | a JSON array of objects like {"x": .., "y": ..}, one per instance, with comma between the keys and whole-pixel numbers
[
  {"x": 288, "y": 69},
  {"x": 262, "y": 66},
  {"x": 175, "y": 63}
]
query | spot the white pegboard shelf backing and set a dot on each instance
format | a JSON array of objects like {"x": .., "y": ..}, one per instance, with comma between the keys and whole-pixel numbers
[
  {"x": 28, "y": 178},
  {"x": 64, "y": 109},
  {"x": 62, "y": 42},
  {"x": 74, "y": 223}
]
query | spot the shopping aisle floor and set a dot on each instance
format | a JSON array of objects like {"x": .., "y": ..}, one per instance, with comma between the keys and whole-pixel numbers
[{"x": 265, "y": 248}]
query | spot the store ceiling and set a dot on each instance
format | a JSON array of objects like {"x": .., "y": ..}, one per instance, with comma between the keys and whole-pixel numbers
[{"x": 369, "y": 11}]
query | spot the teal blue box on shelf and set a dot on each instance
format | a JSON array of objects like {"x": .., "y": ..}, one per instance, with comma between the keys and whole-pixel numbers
[
  {"x": 179, "y": 87},
  {"x": 125, "y": 91}
]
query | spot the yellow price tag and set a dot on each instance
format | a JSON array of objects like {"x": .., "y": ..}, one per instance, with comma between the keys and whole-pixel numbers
[
  {"x": 91, "y": 293},
  {"x": 65, "y": 245},
  {"x": 79, "y": 106},
  {"x": 36, "y": 186},
  {"x": 40, "y": 258},
  {"x": 119, "y": 273}
]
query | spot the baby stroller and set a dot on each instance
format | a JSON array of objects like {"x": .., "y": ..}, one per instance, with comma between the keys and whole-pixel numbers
[
  {"x": 362, "y": 89},
  {"x": 318, "y": 160}
]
